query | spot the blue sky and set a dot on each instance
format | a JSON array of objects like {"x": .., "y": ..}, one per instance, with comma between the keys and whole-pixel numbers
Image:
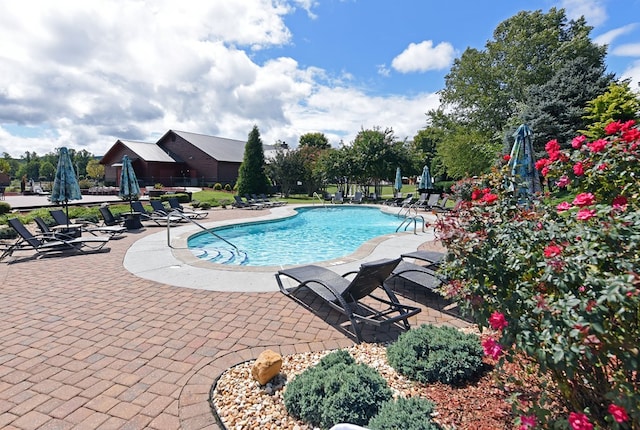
[{"x": 88, "y": 73}]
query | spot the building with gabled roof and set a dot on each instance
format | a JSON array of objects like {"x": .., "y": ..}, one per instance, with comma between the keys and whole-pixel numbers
[{"x": 179, "y": 158}]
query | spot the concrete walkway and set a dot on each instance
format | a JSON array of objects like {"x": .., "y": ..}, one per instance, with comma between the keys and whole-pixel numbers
[{"x": 86, "y": 343}]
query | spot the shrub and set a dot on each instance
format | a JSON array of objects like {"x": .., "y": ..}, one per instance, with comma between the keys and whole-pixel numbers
[
  {"x": 217, "y": 186},
  {"x": 85, "y": 184},
  {"x": 182, "y": 197},
  {"x": 559, "y": 282},
  {"x": 158, "y": 186},
  {"x": 227, "y": 187},
  {"x": 430, "y": 354},
  {"x": 404, "y": 414},
  {"x": 205, "y": 205},
  {"x": 5, "y": 208},
  {"x": 336, "y": 390},
  {"x": 7, "y": 233}
]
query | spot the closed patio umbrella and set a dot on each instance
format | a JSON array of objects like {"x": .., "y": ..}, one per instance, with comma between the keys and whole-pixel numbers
[
  {"x": 129, "y": 187},
  {"x": 65, "y": 185},
  {"x": 522, "y": 163},
  {"x": 397, "y": 186},
  {"x": 425, "y": 180}
]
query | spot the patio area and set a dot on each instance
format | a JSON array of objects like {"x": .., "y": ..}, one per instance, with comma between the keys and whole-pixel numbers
[{"x": 84, "y": 343}]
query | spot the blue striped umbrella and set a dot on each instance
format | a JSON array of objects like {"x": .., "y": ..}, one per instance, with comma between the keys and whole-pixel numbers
[
  {"x": 129, "y": 187},
  {"x": 398, "y": 184},
  {"x": 65, "y": 185},
  {"x": 522, "y": 163}
]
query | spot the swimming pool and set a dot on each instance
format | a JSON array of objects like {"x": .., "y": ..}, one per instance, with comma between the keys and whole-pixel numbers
[{"x": 313, "y": 234}]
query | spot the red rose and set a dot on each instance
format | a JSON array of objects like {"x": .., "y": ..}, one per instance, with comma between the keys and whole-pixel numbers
[
  {"x": 597, "y": 145},
  {"x": 578, "y": 169},
  {"x": 506, "y": 157},
  {"x": 489, "y": 198},
  {"x": 612, "y": 127},
  {"x": 491, "y": 348},
  {"x": 552, "y": 251},
  {"x": 577, "y": 142},
  {"x": 497, "y": 321},
  {"x": 618, "y": 412}
]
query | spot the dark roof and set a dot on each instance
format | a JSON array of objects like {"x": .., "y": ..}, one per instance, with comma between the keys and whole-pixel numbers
[{"x": 220, "y": 148}]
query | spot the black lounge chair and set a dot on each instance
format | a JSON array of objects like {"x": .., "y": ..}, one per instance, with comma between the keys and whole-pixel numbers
[
  {"x": 159, "y": 218},
  {"x": 109, "y": 218},
  {"x": 337, "y": 198},
  {"x": 46, "y": 244},
  {"x": 61, "y": 219},
  {"x": 274, "y": 203},
  {"x": 347, "y": 296},
  {"x": 241, "y": 204},
  {"x": 422, "y": 275},
  {"x": 175, "y": 205}
]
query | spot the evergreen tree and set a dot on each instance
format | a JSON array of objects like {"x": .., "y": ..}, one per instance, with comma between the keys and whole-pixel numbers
[
  {"x": 617, "y": 103},
  {"x": 555, "y": 109},
  {"x": 252, "y": 178}
]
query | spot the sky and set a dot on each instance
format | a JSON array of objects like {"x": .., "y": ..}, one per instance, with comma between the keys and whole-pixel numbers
[{"x": 83, "y": 74}]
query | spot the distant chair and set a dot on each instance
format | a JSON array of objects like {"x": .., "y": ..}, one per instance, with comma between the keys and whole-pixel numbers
[
  {"x": 337, "y": 198},
  {"x": 174, "y": 203},
  {"x": 357, "y": 197}
]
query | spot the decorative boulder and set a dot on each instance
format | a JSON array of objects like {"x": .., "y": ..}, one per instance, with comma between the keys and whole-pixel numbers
[{"x": 266, "y": 367}]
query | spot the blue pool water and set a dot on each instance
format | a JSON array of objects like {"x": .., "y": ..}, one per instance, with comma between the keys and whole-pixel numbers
[{"x": 312, "y": 235}]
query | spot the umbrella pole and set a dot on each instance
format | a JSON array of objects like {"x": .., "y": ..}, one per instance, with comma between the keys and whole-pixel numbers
[{"x": 66, "y": 205}]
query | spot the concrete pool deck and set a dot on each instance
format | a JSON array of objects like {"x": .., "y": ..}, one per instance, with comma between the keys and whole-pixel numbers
[{"x": 86, "y": 344}]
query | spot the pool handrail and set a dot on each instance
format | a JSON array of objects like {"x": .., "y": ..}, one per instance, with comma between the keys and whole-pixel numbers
[
  {"x": 315, "y": 194},
  {"x": 180, "y": 214}
]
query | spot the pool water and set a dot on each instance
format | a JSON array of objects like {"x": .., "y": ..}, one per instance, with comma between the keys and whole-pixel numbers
[{"x": 312, "y": 235}]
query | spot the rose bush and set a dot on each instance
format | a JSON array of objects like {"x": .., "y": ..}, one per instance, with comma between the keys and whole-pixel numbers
[{"x": 558, "y": 283}]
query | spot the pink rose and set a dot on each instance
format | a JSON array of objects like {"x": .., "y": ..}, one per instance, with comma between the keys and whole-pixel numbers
[
  {"x": 491, "y": 348},
  {"x": 527, "y": 422},
  {"x": 619, "y": 203},
  {"x": 584, "y": 199},
  {"x": 613, "y": 127},
  {"x": 563, "y": 181},
  {"x": 577, "y": 142},
  {"x": 579, "y": 421},
  {"x": 597, "y": 145},
  {"x": 578, "y": 169},
  {"x": 497, "y": 321},
  {"x": 552, "y": 146},
  {"x": 564, "y": 206},
  {"x": 585, "y": 214}
]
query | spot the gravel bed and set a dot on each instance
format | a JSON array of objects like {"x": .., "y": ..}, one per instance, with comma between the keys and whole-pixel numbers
[{"x": 241, "y": 403}]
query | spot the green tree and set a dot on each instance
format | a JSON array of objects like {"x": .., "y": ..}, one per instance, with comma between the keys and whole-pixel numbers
[
  {"x": 286, "y": 169},
  {"x": 467, "y": 152},
  {"x": 423, "y": 147},
  {"x": 315, "y": 140},
  {"x": 485, "y": 90},
  {"x": 5, "y": 166},
  {"x": 556, "y": 108},
  {"x": 252, "y": 178},
  {"x": 617, "y": 103},
  {"x": 95, "y": 170},
  {"x": 47, "y": 170}
]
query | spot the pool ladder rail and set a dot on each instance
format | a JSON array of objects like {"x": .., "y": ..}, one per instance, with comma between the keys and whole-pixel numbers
[
  {"x": 220, "y": 254},
  {"x": 409, "y": 215},
  {"x": 319, "y": 197}
]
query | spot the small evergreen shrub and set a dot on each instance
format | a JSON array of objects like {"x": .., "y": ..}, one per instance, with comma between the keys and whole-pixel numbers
[
  {"x": 85, "y": 184},
  {"x": 405, "y": 414},
  {"x": 336, "y": 390},
  {"x": 205, "y": 205},
  {"x": 5, "y": 208},
  {"x": 430, "y": 354},
  {"x": 182, "y": 197},
  {"x": 217, "y": 186},
  {"x": 227, "y": 187},
  {"x": 7, "y": 233}
]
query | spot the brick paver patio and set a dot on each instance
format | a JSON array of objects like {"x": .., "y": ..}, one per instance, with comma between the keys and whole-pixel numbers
[{"x": 84, "y": 344}]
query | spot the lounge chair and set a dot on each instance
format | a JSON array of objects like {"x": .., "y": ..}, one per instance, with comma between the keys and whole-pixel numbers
[
  {"x": 337, "y": 198},
  {"x": 424, "y": 276},
  {"x": 174, "y": 203},
  {"x": 347, "y": 296},
  {"x": 155, "y": 217},
  {"x": 241, "y": 204},
  {"x": 109, "y": 218},
  {"x": 357, "y": 197},
  {"x": 47, "y": 233},
  {"x": 264, "y": 198},
  {"x": 61, "y": 219},
  {"x": 431, "y": 202},
  {"x": 433, "y": 258},
  {"x": 48, "y": 244}
]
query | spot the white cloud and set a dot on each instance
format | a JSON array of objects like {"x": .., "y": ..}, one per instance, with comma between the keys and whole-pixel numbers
[
  {"x": 628, "y": 50},
  {"x": 608, "y": 37},
  {"x": 423, "y": 56},
  {"x": 594, "y": 11},
  {"x": 633, "y": 73},
  {"x": 88, "y": 73}
]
